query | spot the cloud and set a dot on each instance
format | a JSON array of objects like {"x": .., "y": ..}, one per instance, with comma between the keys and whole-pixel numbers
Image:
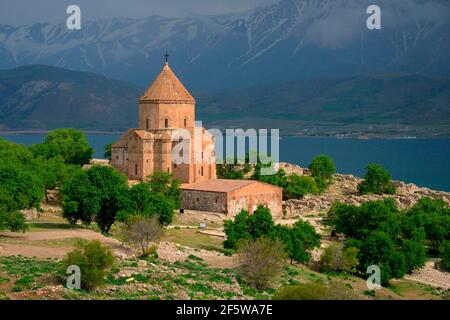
[
  {"x": 343, "y": 21},
  {"x": 17, "y": 12}
]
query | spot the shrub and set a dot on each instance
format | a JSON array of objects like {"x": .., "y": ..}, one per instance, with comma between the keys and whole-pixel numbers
[
  {"x": 297, "y": 187},
  {"x": 261, "y": 261},
  {"x": 93, "y": 259},
  {"x": 445, "y": 255},
  {"x": 142, "y": 232},
  {"x": 315, "y": 291},
  {"x": 336, "y": 258},
  {"x": 377, "y": 180}
]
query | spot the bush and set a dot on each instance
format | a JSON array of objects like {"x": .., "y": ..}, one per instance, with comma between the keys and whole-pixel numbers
[
  {"x": 261, "y": 261},
  {"x": 445, "y": 255},
  {"x": 377, "y": 180},
  {"x": 297, "y": 187},
  {"x": 336, "y": 258},
  {"x": 94, "y": 260},
  {"x": 315, "y": 291},
  {"x": 142, "y": 232}
]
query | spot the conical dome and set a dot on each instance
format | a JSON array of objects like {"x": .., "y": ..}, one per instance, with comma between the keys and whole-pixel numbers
[{"x": 167, "y": 88}]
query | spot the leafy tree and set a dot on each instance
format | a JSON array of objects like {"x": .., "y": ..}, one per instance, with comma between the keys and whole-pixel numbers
[
  {"x": 166, "y": 184},
  {"x": 297, "y": 187},
  {"x": 70, "y": 144},
  {"x": 94, "y": 261},
  {"x": 337, "y": 258},
  {"x": 97, "y": 194},
  {"x": 236, "y": 230},
  {"x": 14, "y": 154},
  {"x": 142, "y": 232},
  {"x": 14, "y": 221},
  {"x": 261, "y": 261},
  {"x": 445, "y": 255},
  {"x": 415, "y": 253},
  {"x": 260, "y": 222},
  {"x": 432, "y": 217},
  {"x": 160, "y": 195},
  {"x": 52, "y": 172},
  {"x": 377, "y": 180},
  {"x": 322, "y": 166},
  {"x": 358, "y": 222},
  {"x": 299, "y": 240},
  {"x": 380, "y": 249},
  {"x": 19, "y": 189},
  {"x": 376, "y": 230},
  {"x": 108, "y": 151}
]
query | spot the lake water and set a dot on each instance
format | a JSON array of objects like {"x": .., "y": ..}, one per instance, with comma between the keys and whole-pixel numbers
[{"x": 425, "y": 162}]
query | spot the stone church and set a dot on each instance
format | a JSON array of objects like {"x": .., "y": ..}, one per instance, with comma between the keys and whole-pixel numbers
[{"x": 165, "y": 107}]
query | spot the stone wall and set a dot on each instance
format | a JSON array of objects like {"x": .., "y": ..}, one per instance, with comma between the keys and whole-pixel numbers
[{"x": 205, "y": 201}]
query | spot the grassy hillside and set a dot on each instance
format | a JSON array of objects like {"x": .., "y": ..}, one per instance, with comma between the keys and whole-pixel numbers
[
  {"x": 43, "y": 97},
  {"x": 381, "y": 103}
]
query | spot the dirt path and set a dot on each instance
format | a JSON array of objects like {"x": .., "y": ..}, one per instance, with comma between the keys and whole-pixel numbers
[{"x": 22, "y": 243}]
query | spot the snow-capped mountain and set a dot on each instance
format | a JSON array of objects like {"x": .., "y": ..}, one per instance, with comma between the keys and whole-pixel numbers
[{"x": 289, "y": 40}]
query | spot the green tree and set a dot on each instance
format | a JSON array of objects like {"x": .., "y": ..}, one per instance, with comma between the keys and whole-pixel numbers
[
  {"x": 377, "y": 180},
  {"x": 108, "y": 151},
  {"x": 236, "y": 230},
  {"x": 260, "y": 222},
  {"x": 70, "y": 144},
  {"x": 97, "y": 194},
  {"x": 322, "y": 166},
  {"x": 299, "y": 240},
  {"x": 380, "y": 249},
  {"x": 94, "y": 261},
  {"x": 19, "y": 189},
  {"x": 166, "y": 184},
  {"x": 432, "y": 216},
  {"x": 297, "y": 187},
  {"x": 52, "y": 172},
  {"x": 445, "y": 255}
]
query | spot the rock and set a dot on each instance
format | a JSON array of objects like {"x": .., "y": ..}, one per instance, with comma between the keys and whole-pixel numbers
[{"x": 142, "y": 263}]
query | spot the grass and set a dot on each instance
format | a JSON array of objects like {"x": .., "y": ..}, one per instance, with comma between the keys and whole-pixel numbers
[{"x": 194, "y": 239}]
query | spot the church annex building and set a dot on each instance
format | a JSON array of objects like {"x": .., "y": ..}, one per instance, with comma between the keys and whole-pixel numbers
[{"x": 165, "y": 107}]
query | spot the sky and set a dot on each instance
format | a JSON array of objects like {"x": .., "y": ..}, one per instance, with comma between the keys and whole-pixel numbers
[{"x": 18, "y": 12}]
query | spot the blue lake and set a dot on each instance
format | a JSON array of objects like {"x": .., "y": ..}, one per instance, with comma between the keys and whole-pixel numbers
[{"x": 425, "y": 162}]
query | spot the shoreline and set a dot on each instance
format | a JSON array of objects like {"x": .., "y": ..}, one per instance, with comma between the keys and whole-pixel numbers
[{"x": 361, "y": 136}]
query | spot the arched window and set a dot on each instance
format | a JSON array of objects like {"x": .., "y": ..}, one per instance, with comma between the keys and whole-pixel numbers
[
  {"x": 135, "y": 169},
  {"x": 185, "y": 122},
  {"x": 147, "y": 123},
  {"x": 166, "y": 123}
]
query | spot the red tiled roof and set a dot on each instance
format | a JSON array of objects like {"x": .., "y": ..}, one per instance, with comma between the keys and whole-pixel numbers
[
  {"x": 218, "y": 185},
  {"x": 167, "y": 88}
]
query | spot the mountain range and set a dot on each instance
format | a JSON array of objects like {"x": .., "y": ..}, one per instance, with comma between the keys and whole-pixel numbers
[
  {"x": 289, "y": 40},
  {"x": 41, "y": 97}
]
